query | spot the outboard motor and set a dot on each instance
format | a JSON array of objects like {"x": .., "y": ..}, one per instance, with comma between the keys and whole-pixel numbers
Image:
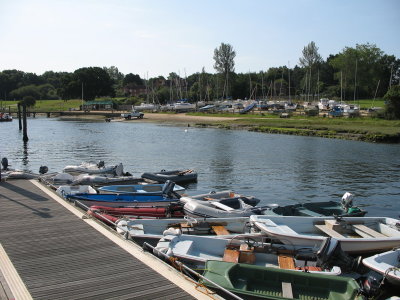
[
  {"x": 168, "y": 190},
  {"x": 100, "y": 164},
  {"x": 370, "y": 286},
  {"x": 43, "y": 169},
  {"x": 331, "y": 254},
  {"x": 4, "y": 163},
  {"x": 347, "y": 200}
]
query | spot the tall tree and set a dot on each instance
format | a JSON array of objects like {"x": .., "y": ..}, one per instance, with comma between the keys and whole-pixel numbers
[
  {"x": 309, "y": 60},
  {"x": 225, "y": 64}
]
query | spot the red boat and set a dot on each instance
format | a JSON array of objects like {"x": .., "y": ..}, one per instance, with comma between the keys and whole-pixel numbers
[{"x": 172, "y": 211}]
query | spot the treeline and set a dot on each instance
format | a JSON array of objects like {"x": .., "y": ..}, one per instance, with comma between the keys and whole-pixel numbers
[{"x": 361, "y": 72}]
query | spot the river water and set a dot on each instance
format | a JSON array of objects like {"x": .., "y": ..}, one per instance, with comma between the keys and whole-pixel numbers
[{"x": 278, "y": 169}]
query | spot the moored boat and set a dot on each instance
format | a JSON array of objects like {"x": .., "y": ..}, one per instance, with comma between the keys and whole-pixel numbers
[
  {"x": 319, "y": 209},
  {"x": 249, "y": 281},
  {"x": 173, "y": 210},
  {"x": 177, "y": 176},
  {"x": 119, "y": 200},
  {"x": 145, "y": 189},
  {"x": 356, "y": 234},
  {"x": 387, "y": 264},
  {"x": 195, "y": 251},
  {"x": 152, "y": 231},
  {"x": 91, "y": 168}
]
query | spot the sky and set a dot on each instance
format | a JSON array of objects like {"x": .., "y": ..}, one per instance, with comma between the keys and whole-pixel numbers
[{"x": 156, "y": 37}]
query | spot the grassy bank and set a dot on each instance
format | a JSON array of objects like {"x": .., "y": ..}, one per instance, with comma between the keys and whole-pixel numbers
[{"x": 361, "y": 129}]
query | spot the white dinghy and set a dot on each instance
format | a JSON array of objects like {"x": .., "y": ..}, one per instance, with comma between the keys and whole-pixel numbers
[
  {"x": 151, "y": 231},
  {"x": 91, "y": 168},
  {"x": 64, "y": 190},
  {"x": 387, "y": 264},
  {"x": 224, "y": 204},
  {"x": 195, "y": 251},
  {"x": 356, "y": 234}
]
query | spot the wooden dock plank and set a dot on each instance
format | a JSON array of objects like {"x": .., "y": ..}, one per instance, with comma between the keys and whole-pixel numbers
[{"x": 58, "y": 256}]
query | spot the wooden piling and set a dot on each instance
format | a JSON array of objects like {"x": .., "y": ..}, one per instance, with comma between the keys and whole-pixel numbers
[
  {"x": 19, "y": 116},
  {"x": 24, "y": 123}
]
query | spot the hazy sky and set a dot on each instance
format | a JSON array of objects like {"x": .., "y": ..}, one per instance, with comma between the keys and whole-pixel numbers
[{"x": 156, "y": 37}]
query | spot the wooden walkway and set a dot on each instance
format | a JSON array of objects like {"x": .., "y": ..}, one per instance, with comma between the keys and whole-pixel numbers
[{"x": 60, "y": 256}]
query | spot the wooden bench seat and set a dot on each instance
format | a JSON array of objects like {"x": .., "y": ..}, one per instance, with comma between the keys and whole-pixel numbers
[
  {"x": 367, "y": 232},
  {"x": 220, "y": 230},
  {"x": 286, "y": 262},
  {"x": 329, "y": 231}
]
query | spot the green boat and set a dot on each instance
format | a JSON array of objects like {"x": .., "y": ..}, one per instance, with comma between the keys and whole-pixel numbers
[{"x": 249, "y": 281}]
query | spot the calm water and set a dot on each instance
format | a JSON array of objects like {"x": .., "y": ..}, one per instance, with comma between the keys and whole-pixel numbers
[{"x": 276, "y": 168}]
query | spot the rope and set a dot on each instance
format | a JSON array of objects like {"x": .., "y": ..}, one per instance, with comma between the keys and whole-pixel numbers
[{"x": 174, "y": 262}]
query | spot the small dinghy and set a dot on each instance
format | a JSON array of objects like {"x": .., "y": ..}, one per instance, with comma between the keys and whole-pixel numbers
[
  {"x": 177, "y": 176},
  {"x": 224, "y": 204},
  {"x": 145, "y": 189},
  {"x": 356, "y": 234},
  {"x": 195, "y": 251},
  {"x": 64, "y": 190},
  {"x": 250, "y": 282},
  {"x": 318, "y": 209},
  {"x": 120, "y": 200},
  {"x": 173, "y": 210},
  {"x": 151, "y": 231},
  {"x": 387, "y": 264},
  {"x": 91, "y": 168}
]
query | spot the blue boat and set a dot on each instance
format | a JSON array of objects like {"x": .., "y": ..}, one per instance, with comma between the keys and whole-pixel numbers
[
  {"x": 248, "y": 108},
  {"x": 120, "y": 200},
  {"x": 139, "y": 189}
]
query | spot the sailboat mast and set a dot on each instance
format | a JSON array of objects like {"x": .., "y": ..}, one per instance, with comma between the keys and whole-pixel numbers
[{"x": 355, "y": 83}]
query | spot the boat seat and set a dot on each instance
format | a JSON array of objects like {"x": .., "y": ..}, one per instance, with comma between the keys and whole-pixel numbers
[
  {"x": 366, "y": 232},
  {"x": 287, "y": 291},
  {"x": 220, "y": 230},
  {"x": 184, "y": 246},
  {"x": 329, "y": 231},
  {"x": 286, "y": 262},
  {"x": 231, "y": 255}
]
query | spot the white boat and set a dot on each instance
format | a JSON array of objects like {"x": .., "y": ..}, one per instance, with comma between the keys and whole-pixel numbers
[
  {"x": 356, "y": 234},
  {"x": 90, "y": 168},
  {"x": 224, "y": 204},
  {"x": 64, "y": 190},
  {"x": 146, "y": 106},
  {"x": 182, "y": 106},
  {"x": 387, "y": 264},
  {"x": 151, "y": 231},
  {"x": 196, "y": 250}
]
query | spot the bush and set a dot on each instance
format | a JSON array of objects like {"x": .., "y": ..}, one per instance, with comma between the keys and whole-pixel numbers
[{"x": 392, "y": 105}]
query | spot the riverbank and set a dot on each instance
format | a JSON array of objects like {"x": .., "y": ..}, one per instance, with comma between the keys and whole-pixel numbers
[{"x": 360, "y": 129}]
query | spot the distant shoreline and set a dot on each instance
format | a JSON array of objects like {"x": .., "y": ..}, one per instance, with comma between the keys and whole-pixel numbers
[{"x": 348, "y": 131}]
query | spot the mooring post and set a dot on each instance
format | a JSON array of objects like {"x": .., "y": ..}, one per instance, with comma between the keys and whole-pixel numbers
[
  {"x": 19, "y": 116},
  {"x": 25, "y": 131}
]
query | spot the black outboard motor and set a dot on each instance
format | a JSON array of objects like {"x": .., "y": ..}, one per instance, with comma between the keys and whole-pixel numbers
[
  {"x": 100, "y": 164},
  {"x": 43, "y": 169},
  {"x": 4, "y": 163},
  {"x": 168, "y": 190},
  {"x": 331, "y": 254}
]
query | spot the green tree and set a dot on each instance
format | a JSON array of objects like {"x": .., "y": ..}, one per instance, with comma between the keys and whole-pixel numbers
[
  {"x": 29, "y": 90},
  {"x": 363, "y": 67},
  {"x": 392, "y": 106},
  {"x": 224, "y": 57},
  {"x": 29, "y": 101}
]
